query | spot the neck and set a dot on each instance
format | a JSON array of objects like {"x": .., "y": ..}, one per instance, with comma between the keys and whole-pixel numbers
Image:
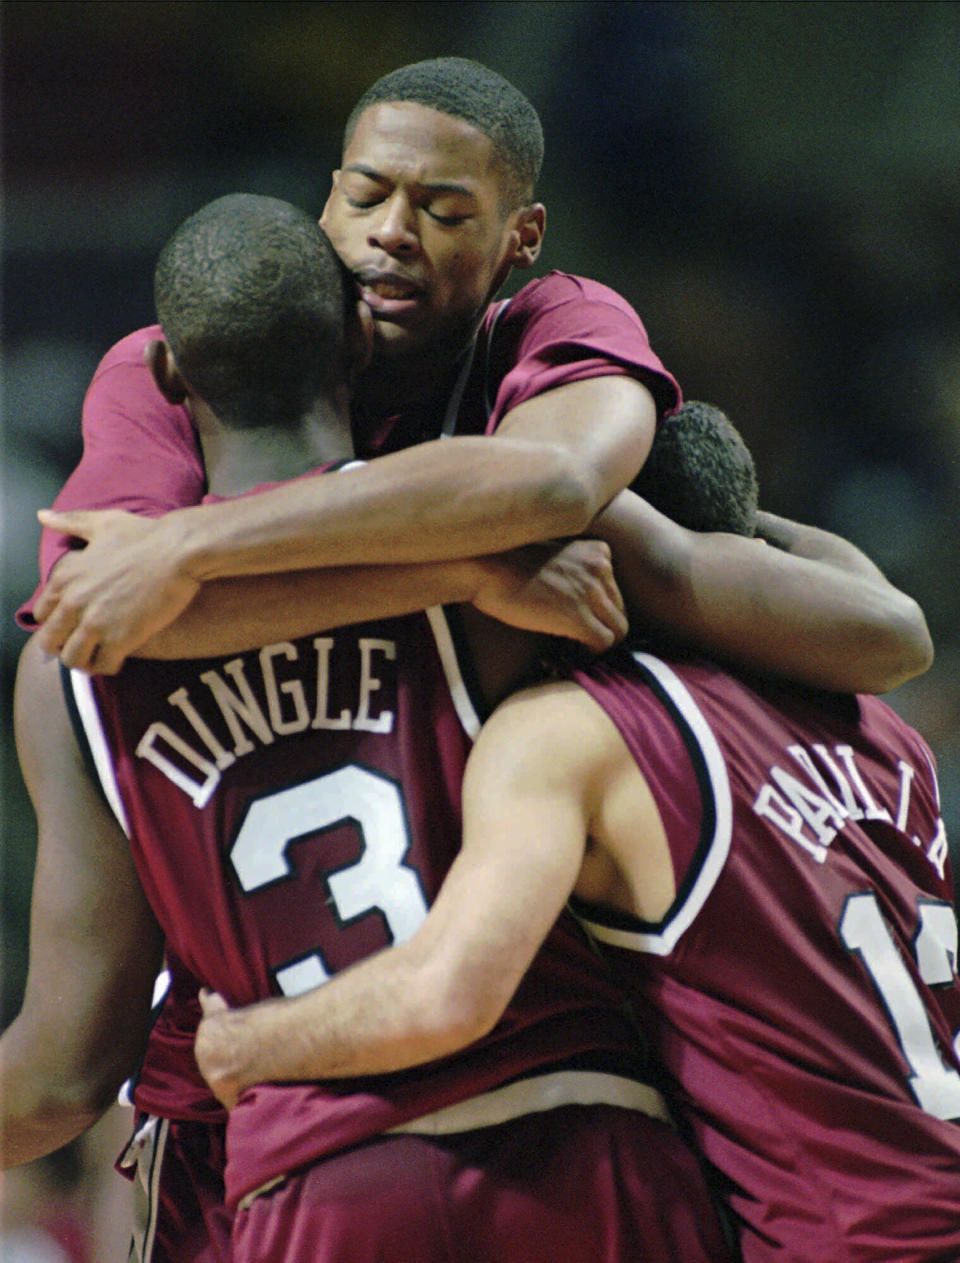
[
  {"x": 396, "y": 384},
  {"x": 239, "y": 460}
]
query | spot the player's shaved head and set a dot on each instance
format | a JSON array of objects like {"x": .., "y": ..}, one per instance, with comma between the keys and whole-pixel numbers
[
  {"x": 468, "y": 90},
  {"x": 700, "y": 472},
  {"x": 253, "y": 300}
]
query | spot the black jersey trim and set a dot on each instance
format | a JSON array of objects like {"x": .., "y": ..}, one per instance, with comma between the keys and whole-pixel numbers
[
  {"x": 716, "y": 826},
  {"x": 458, "y": 669},
  {"x": 79, "y": 731},
  {"x": 708, "y": 820},
  {"x": 82, "y": 702},
  {"x": 70, "y": 680}
]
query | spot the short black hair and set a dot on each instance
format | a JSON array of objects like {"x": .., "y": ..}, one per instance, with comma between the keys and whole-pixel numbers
[
  {"x": 468, "y": 90},
  {"x": 700, "y": 472},
  {"x": 253, "y": 300}
]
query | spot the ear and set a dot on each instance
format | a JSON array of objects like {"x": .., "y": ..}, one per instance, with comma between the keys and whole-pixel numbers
[
  {"x": 163, "y": 366},
  {"x": 359, "y": 341},
  {"x": 334, "y": 182},
  {"x": 529, "y": 229}
]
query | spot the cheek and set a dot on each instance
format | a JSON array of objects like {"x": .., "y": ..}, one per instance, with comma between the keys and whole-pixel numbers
[
  {"x": 467, "y": 271},
  {"x": 337, "y": 227}
]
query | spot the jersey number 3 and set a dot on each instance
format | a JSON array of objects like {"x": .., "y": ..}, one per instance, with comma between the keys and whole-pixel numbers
[
  {"x": 378, "y": 880},
  {"x": 863, "y": 930}
]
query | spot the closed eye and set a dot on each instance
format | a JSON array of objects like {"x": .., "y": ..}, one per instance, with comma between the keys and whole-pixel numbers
[{"x": 448, "y": 220}]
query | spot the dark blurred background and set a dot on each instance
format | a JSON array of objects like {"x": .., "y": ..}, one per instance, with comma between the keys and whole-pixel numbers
[{"x": 775, "y": 187}]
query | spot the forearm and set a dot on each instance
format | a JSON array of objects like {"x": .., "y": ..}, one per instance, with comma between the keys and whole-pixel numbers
[
  {"x": 553, "y": 464},
  {"x": 446, "y": 499},
  {"x": 757, "y": 607},
  {"x": 815, "y": 544},
  {"x": 234, "y": 615},
  {"x": 442, "y": 989},
  {"x": 388, "y": 1013}
]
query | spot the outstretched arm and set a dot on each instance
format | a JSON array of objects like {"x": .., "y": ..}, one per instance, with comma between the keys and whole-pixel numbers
[
  {"x": 555, "y": 461},
  {"x": 552, "y": 589},
  {"x": 821, "y": 614},
  {"x": 95, "y": 948},
  {"x": 530, "y": 789}
]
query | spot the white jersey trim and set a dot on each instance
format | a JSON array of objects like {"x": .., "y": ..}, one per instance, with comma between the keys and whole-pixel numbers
[
  {"x": 466, "y": 711},
  {"x": 144, "y": 1156},
  {"x": 534, "y": 1096},
  {"x": 97, "y": 741},
  {"x": 525, "y": 1096},
  {"x": 661, "y": 941}
]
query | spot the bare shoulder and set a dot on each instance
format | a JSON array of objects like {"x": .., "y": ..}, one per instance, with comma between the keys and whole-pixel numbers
[{"x": 555, "y": 730}]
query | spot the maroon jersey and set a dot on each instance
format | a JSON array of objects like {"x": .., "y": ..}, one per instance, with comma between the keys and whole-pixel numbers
[
  {"x": 140, "y": 452},
  {"x": 802, "y": 990},
  {"x": 293, "y": 809},
  {"x": 168, "y": 1083}
]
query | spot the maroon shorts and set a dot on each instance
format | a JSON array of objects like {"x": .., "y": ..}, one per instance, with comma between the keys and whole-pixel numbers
[
  {"x": 179, "y": 1211},
  {"x": 581, "y": 1184}
]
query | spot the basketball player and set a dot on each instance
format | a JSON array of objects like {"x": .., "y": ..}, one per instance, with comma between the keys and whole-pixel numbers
[
  {"x": 766, "y": 869},
  {"x": 295, "y": 807},
  {"x": 431, "y": 210}
]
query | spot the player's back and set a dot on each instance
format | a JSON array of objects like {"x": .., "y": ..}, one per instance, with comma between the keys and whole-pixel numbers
[
  {"x": 802, "y": 991},
  {"x": 295, "y": 808},
  {"x": 298, "y": 766}
]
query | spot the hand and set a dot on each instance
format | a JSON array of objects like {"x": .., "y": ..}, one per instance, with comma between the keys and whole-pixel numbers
[
  {"x": 104, "y": 601},
  {"x": 216, "y": 1046},
  {"x": 567, "y": 590}
]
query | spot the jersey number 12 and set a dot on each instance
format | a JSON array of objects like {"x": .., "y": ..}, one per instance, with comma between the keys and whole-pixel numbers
[{"x": 863, "y": 929}]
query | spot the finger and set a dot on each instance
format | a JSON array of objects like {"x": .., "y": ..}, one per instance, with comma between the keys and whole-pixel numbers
[
  {"x": 617, "y": 620},
  {"x": 612, "y": 617},
  {"x": 592, "y": 632},
  {"x": 80, "y": 649},
  {"x": 606, "y": 601},
  {"x": 620, "y": 626},
  {"x": 56, "y": 628},
  {"x": 225, "y": 1095},
  {"x": 47, "y": 601},
  {"x": 612, "y": 588},
  {"x": 105, "y": 660},
  {"x": 605, "y": 574},
  {"x": 75, "y": 523},
  {"x": 212, "y": 1002}
]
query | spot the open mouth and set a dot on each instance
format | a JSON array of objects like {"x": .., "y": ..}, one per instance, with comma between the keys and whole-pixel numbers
[{"x": 387, "y": 294}]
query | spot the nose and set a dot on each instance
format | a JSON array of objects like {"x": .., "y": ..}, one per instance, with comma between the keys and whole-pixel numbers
[{"x": 395, "y": 229}]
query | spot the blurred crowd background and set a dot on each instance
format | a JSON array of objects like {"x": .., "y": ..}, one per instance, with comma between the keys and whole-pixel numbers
[{"x": 774, "y": 186}]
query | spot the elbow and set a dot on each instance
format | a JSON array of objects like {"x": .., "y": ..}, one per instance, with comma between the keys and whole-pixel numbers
[
  {"x": 921, "y": 658},
  {"x": 46, "y": 1115},
  {"x": 82, "y": 1094},
  {"x": 912, "y": 644},
  {"x": 76, "y": 1106},
  {"x": 462, "y": 1011},
  {"x": 903, "y": 647},
  {"x": 569, "y": 497},
  {"x": 51, "y": 1091},
  {"x": 470, "y": 1019}
]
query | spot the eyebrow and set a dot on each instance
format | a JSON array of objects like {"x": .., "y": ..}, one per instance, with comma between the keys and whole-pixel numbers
[{"x": 436, "y": 186}]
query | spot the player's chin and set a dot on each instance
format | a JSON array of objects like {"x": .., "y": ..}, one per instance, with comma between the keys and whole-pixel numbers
[{"x": 392, "y": 339}]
